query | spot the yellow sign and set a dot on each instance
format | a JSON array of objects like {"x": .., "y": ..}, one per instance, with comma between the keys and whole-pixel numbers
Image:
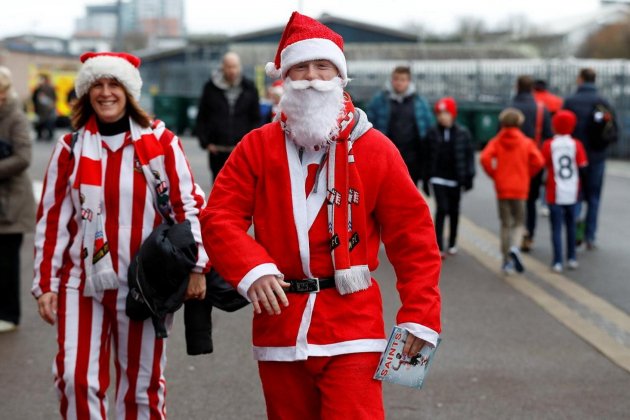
[{"x": 62, "y": 81}]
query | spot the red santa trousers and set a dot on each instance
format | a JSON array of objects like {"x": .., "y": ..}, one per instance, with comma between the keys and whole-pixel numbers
[
  {"x": 85, "y": 329},
  {"x": 326, "y": 388}
]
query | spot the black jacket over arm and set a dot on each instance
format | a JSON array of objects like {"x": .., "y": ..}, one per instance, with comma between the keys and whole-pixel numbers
[{"x": 158, "y": 278}]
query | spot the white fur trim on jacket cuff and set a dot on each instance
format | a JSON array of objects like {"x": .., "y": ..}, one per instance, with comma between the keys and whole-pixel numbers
[
  {"x": 256, "y": 273},
  {"x": 422, "y": 332}
]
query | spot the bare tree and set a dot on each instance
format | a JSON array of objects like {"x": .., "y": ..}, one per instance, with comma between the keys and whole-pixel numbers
[
  {"x": 419, "y": 29},
  {"x": 518, "y": 26},
  {"x": 470, "y": 29},
  {"x": 610, "y": 41}
]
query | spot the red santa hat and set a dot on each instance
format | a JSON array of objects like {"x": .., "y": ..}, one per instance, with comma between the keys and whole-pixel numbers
[
  {"x": 120, "y": 66},
  {"x": 277, "y": 88},
  {"x": 306, "y": 39},
  {"x": 447, "y": 104},
  {"x": 564, "y": 122}
]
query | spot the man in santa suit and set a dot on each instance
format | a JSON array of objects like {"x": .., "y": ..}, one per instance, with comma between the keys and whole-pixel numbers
[{"x": 323, "y": 189}]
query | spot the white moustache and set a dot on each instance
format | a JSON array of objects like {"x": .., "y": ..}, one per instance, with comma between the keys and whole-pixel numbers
[{"x": 319, "y": 85}]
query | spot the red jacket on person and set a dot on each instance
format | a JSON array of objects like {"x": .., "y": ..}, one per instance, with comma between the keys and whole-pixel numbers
[
  {"x": 260, "y": 182},
  {"x": 511, "y": 159},
  {"x": 552, "y": 102}
]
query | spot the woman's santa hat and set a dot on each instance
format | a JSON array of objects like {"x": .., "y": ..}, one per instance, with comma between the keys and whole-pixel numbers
[
  {"x": 120, "y": 66},
  {"x": 305, "y": 39}
]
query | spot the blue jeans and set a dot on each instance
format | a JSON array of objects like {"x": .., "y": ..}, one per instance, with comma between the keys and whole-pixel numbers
[
  {"x": 559, "y": 214},
  {"x": 592, "y": 191}
]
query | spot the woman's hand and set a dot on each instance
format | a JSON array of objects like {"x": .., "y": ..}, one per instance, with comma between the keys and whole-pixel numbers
[
  {"x": 47, "y": 307},
  {"x": 196, "y": 287}
]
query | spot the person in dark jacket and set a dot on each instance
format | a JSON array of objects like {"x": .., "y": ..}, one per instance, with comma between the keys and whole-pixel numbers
[
  {"x": 404, "y": 116},
  {"x": 45, "y": 105},
  {"x": 581, "y": 104},
  {"x": 448, "y": 166},
  {"x": 537, "y": 126},
  {"x": 228, "y": 109}
]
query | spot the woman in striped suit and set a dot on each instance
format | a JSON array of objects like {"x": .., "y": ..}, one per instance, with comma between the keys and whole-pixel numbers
[{"x": 107, "y": 186}]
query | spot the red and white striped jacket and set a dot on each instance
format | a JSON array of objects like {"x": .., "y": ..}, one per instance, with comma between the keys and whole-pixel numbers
[{"x": 129, "y": 212}]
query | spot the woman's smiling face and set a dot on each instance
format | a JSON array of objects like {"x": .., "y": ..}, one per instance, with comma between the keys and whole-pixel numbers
[{"x": 108, "y": 99}]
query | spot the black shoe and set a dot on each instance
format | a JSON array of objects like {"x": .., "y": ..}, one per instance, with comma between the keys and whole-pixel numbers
[
  {"x": 527, "y": 243},
  {"x": 516, "y": 259}
]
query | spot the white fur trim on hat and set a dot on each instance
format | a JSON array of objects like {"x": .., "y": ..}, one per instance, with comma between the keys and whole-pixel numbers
[
  {"x": 272, "y": 71},
  {"x": 313, "y": 49},
  {"x": 108, "y": 66}
]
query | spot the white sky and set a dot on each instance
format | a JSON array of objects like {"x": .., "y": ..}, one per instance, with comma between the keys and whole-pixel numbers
[{"x": 57, "y": 18}]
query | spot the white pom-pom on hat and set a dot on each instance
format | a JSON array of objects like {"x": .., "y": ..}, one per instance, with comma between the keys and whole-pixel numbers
[{"x": 272, "y": 71}]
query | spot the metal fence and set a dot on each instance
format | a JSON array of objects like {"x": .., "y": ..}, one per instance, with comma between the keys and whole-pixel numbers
[
  {"x": 492, "y": 82},
  {"x": 474, "y": 82}
]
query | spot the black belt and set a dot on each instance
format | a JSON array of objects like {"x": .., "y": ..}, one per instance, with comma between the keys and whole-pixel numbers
[{"x": 310, "y": 285}]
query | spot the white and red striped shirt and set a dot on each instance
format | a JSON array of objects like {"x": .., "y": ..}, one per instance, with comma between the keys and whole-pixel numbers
[
  {"x": 129, "y": 213},
  {"x": 564, "y": 156}
]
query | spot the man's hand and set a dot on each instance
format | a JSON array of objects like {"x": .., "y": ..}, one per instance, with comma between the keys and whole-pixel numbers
[
  {"x": 413, "y": 345},
  {"x": 212, "y": 148},
  {"x": 266, "y": 291},
  {"x": 196, "y": 287},
  {"x": 47, "y": 307}
]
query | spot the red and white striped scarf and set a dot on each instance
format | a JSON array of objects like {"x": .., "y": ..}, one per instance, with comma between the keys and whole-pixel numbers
[
  {"x": 99, "y": 271},
  {"x": 346, "y": 210}
]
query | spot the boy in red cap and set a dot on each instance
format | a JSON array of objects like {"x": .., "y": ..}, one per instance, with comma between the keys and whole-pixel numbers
[
  {"x": 323, "y": 189},
  {"x": 448, "y": 167},
  {"x": 566, "y": 160}
]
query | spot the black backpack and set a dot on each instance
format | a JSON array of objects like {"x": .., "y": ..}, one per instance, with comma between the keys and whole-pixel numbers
[{"x": 601, "y": 129}]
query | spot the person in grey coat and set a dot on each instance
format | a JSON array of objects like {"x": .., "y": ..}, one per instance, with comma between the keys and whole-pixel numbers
[{"x": 17, "y": 204}]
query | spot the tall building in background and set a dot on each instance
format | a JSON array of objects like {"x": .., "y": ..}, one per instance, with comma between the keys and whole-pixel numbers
[
  {"x": 151, "y": 24},
  {"x": 160, "y": 18},
  {"x": 97, "y": 29}
]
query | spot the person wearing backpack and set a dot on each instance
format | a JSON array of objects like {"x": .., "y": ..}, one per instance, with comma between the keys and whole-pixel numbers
[{"x": 596, "y": 128}]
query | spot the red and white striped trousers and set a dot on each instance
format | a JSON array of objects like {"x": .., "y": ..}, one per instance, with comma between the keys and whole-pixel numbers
[{"x": 86, "y": 331}]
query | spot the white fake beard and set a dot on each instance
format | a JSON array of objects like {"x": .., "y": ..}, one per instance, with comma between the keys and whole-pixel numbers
[{"x": 312, "y": 109}]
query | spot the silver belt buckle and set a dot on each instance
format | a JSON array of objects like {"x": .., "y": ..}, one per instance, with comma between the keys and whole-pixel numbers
[{"x": 309, "y": 280}]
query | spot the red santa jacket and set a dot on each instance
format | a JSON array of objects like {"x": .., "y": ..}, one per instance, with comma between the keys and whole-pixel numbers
[{"x": 264, "y": 181}]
